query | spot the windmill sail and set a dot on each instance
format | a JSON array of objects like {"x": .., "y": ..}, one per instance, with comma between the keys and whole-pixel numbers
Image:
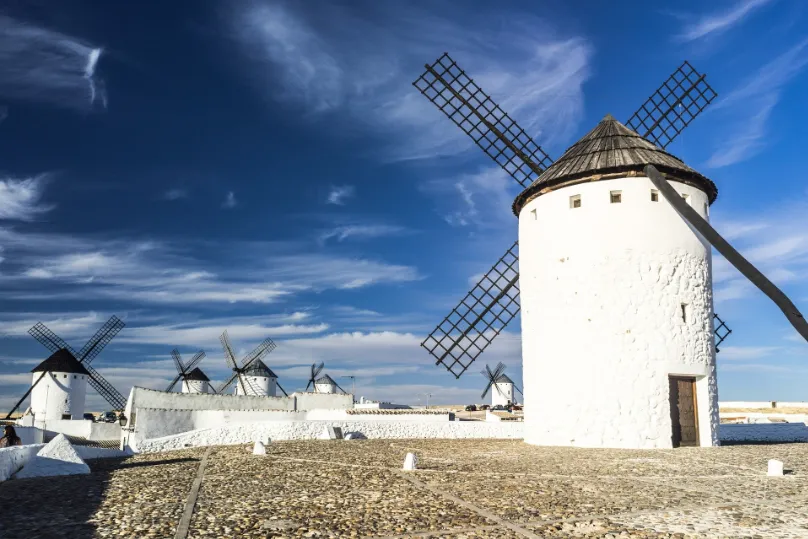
[{"x": 491, "y": 305}]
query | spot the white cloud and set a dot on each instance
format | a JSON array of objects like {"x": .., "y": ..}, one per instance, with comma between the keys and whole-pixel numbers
[
  {"x": 339, "y": 194},
  {"x": 41, "y": 65},
  {"x": 145, "y": 271},
  {"x": 230, "y": 201},
  {"x": 340, "y": 59},
  {"x": 716, "y": 23},
  {"x": 175, "y": 194},
  {"x": 362, "y": 232},
  {"x": 750, "y": 105},
  {"x": 20, "y": 198}
]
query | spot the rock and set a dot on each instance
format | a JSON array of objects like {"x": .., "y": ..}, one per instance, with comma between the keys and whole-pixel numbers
[
  {"x": 355, "y": 436},
  {"x": 57, "y": 458},
  {"x": 260, "y": 448},
  {"x": 411, "y": 462},
  {"x": 775, "y": 468},
  {"x": 331, "y": 433}
]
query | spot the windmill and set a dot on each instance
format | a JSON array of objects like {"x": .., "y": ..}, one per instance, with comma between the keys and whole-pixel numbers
[
  {"x": 244, "y": 385},
  {"x": 494, "y": 301},
  {"x": 619, "y": 335},
  {"x": 63, "y": 353},
  {"x": 315, "y": 373},
  {"x": 503, "y": 386},
  {"x": 184, "y": 371}
]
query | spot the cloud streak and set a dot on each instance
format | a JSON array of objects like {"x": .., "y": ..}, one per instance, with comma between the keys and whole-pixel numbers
[
  {"x": 340, "y": 194},
  {"x": 750, "y": 106},
  {"x": 313, "y": 61},
  {"x": 20, "y": 198},
  {"x": 719, "y": 22},
  {"x": 45, "y": 66},
  {"x": 361, "y": 232}
]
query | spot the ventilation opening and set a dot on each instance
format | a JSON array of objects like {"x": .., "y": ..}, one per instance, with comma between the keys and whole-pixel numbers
[
  {"x": 685, "y": 313},
  {"x": 654, "y": 195},
  {"x": 706, "y": 209},
  {"x": 686, "y": 197},
  {"x": 575, "y": 201},
  {"x": 533, "y": 214},
  {"x": 616, "y": 197}
]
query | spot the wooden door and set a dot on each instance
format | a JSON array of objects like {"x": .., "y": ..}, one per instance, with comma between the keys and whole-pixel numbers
[{"x": 683, "y": 411}]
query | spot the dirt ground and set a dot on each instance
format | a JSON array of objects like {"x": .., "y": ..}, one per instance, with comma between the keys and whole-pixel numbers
[{"x": 463, "y": 489}]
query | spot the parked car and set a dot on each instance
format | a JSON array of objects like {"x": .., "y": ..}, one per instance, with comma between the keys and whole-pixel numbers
[
  {"x": 108, "y": 417},
  {"x": 498, "y": 408},
  {"x": 484, "y": 407},
  {"x": 88, "y": 416},
  {"x": 471, "y": 408}
]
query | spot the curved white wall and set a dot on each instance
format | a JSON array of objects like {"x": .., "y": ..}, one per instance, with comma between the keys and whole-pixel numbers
[
  {"x": 325, "y": 388},
  {"x": 502, "y": 394},
  {"x": 196, "y": 386},
  {"x": 260, "y": 386},
  {"x": 58, "y": 393},
  {"x": 601, "y": 289}
]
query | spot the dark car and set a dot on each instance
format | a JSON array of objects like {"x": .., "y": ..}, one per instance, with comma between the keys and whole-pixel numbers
[
  {"x": 471, "y": 408},
  {"x": 498, "y": 408},
  {"x": 484, "y": 407},
  {"x": 89, "y": 417},
  {"x": 108, "y": 417}
]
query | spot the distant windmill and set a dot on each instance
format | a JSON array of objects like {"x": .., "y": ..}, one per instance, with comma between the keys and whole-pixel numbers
[
  {"x": 315, "y": 372},
  {"x": 503, "y": 386},
  {"x": 71, "y": 365},
  {"x": 244, "y": 385},
  {"x": 494, "y": 301},
  {"x": 184, "y": 372}
]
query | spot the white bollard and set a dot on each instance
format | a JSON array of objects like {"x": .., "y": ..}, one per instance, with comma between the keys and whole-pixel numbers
[
  {"x": 775, "y": 468},
  {"x": 411, "y": 462},
  {"x": 259, "y": 449}
]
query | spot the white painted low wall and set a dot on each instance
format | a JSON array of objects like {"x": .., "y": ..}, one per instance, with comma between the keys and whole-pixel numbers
[
  {"x": 763, "y": 432},
  {"x": 14, "y": 458},
  {"x": 30, "y": 435},
  {"x": 761, "y": 404},
  {"x": 762, "y": 416},
  {"x": 157, "y": 423},
  {"x": 310, "y": 430},
  {"x": 89, "y": 430}
]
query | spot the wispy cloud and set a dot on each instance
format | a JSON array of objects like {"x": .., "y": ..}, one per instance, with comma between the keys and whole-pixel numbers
[
  {"x": 362, "y": 232},
  {"x": 175, "y": 194},
  {"x": 50, "y": 266},
  {"x": 340, "y": 194},
  {"x": 748, "y": 107},
  {"x": 41, "y": 65},
  {"x": 20, "y": 198},
  {"x": 708, "y": 25},
  {"x": 230, "y": 201},
  {"x": 316, "y": 63},
  {"x": 741, "y": 353}
]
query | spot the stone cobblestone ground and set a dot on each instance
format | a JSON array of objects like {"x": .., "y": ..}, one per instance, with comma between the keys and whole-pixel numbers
[{"x": 463, "y": 489}]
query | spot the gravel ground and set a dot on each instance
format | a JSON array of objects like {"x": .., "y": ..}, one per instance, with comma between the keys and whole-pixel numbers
[{"x": 463, "y": 489}]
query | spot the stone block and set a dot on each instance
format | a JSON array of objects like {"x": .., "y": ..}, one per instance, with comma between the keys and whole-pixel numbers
[
  {"x": 58, "y": 457},
  {"x": 775, "y": 468},
  {"x": 259, "y": 448},
  {"x": 411, "y": 462}
]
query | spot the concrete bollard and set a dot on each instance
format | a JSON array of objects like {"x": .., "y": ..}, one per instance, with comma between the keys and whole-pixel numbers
[
  {"x": 259, "y": 449},
  {"x": 411, "y": 462},
  {"x": 775, "y": 468}
]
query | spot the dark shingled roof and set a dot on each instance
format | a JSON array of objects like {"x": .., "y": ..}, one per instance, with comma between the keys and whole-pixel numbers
[
  {"x": 196, "y": 375},
  {"x": 259, "y": 368},
  {"x": 503, "y": 379},
  {"x": 611, "y": 148},
  {"x": 61, "y": 361},
  {"x": 325, "y": 379}
]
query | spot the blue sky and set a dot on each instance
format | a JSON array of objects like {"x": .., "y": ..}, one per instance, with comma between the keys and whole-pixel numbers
[{"x": 266, "y": 167}]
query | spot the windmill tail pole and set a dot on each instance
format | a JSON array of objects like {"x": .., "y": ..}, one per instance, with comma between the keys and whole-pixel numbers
[
  {"x": 30, "y": 389},
  {"x": 733, "y": 257}
]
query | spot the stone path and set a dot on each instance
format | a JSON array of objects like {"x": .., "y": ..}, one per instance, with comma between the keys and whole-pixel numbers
[{"x": 463, "y": 489}]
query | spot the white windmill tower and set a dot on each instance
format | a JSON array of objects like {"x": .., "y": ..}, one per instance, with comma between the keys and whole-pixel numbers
[
  {"x": 324, "y": 383},
  {"x": 553, "y": 368},
  {"x": 59, "y": 383},
  {"x": 193, "y": 379},
  {"x": 618, "y": 331},
  {"x": 63, "y": 388},
  {"x": 253, "y": 377},
  {"x": 501, "y": 386}
]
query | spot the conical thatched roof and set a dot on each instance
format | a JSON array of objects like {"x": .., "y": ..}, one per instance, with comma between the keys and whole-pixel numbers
[{"x": 611, "y": 150}]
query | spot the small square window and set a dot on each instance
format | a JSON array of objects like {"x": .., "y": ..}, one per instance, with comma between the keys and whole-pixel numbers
[
  {"x": 654, "y": 195},
  {"x": 706, "y": 209},
  {"x": 686, "y": 197},
  {"x": 575, "y": 201},
  {"x": 533, "y": 214},
  {"x": 616, "y": 197}
]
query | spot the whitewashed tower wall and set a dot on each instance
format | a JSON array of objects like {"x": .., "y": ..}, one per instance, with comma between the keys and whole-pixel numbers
[
  {"x": 57, "y": 394},
  {"x": 502, "y": 394},
  {"x": 602, "y": 289}
]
